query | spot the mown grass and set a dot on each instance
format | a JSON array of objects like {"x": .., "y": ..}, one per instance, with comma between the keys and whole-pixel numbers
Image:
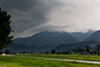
[
  {"x": 67, "y": 56},
  {"x": 27, "y": 62}
]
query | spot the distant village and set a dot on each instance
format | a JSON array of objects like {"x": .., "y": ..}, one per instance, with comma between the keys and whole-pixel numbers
[{"x": 80, "y": 51}]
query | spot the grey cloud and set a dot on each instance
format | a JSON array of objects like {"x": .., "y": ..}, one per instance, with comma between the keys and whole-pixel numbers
[
  {"x": 25, "y": 5},
  {"x": 45, "y": 27},
  {"x": 17, "y": 4},
  {"x": 28, "y": 14},
  {"x": 49, "y": 28}
]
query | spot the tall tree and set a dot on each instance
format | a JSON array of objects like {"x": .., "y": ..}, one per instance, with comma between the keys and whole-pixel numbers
[
  {"x": 53, "y": 51},
  {"x": 5, "y": 29},
  {"x": 87, "y": 49}
]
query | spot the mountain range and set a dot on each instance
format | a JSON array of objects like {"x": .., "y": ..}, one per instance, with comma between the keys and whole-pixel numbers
[
  {"x": 81, "y": 36},
  {"x": 60, "y": 41},
  {"x": 46, "y": 38},
  {"x": 94, "y": 37}
]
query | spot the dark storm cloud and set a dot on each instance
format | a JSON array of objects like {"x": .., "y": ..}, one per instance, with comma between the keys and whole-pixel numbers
[
  {"x": 18, "y": 4},
  {"x": 28, "y": 14}
]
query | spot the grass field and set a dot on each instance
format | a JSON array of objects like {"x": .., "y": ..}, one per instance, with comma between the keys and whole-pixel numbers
[
  {"x": 26, "y": 62},
  {"x": 67, "y": 56}
]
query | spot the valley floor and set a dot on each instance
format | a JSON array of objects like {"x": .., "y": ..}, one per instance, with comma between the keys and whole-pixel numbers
[
  {"x": 66, "y": 56},
  {"x": 13, "y": 61}
]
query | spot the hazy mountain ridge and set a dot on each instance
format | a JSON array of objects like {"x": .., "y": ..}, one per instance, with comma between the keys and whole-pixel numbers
[
  {"x": 73, "y": 46},
  {"x": 47, "y": 38},
  {"x": 46, "y": 41},
  {"x": 43, "y": 41},
  {"x": 94, "y": 37},
  {"x": 81, "y": 36},
  {"x": 92, "y": 41},
  {"x": 21, "y": 47}
]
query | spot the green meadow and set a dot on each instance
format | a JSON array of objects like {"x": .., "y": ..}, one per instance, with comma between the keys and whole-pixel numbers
[
  {"x": 28, "y": 62},
  {"x": 67, "y": 56}
]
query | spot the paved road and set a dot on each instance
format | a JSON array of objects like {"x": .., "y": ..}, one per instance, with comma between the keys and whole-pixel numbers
[
  {"x": 94, "y": 62},
  {"x": 75, "y": 60}
]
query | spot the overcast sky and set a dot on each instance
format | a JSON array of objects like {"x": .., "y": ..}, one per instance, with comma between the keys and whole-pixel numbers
[{"x": 32, "y": 16}]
